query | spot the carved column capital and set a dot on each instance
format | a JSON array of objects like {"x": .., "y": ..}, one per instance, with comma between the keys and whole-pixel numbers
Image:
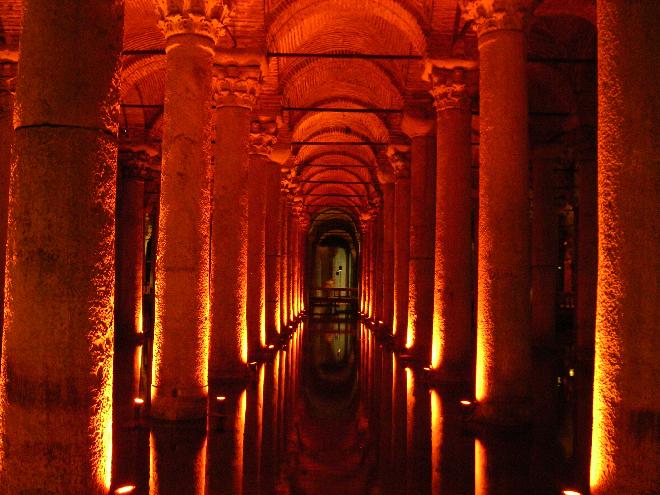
[
  {"x": 263, "y": 135},
  {"x": 366, "y": 217},
  {"x": 134, "y": 165},
  {"x": 236, "y": 86},
  {"x": 207, "y": 18},
  {"x": 451, "y": 88},
  {"x": 495, "y": 15},
  {"x": 400, "y": 160}
]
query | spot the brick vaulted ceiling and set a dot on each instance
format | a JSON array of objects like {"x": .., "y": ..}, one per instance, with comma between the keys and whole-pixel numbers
[{"x": 371, "y": 63}]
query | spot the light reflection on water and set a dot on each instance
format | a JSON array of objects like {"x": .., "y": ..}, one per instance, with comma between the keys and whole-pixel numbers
[{"x": 334, "y": 412}]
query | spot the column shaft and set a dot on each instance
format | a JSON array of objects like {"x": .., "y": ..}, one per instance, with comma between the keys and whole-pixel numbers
[
  {"x": 56, "y": 386},
  {"x": 453, "y": 341},
  {"x": 179, "y": 387},
  {"x": 401, "y": 255},
  {"x": 625, "y": 454},
  {"x": 422, "y": 224},
  {"x": 128, "y": 312},
  {"x": 388, "y": 254},
  {"x": 6, "y": 144},
  {"x": 545, "y": 254},
  {"x": 229, "y": 246},
  {"x": 256, "y": 288},
  {"x": 503, "y": 336},
  {"x": 273, "y": 253}
]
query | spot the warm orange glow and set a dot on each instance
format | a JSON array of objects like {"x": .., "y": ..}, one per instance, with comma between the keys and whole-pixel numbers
[
  {"x": 438, "y": 342},
  {"x": 606, "y": 373},
  {"x": 480, "y": 485},
  {"x": 220, "y": 398},
  {"x": 570, "y": 492},
  {"x": 102, "y": 423},
  {"x": 436, "y": 440},
  {"x": 138, "y": 401},
  {"x": 262, "y": 325},
  {"x": 125, "y": 489},
  {"x": 483, "y": 369},
  {"x": 410, "y": 336},
  {"x": 466, "y": 403}
]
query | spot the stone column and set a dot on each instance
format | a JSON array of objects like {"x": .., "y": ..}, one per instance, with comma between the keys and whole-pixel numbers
[
  {"x": 545, "y": 252},
  {"x": 290, "y": 227},
  {"x": 180, "y": 379},
  {"x": 273, "y": 252},
  {"x": 262, "y": 138},
  {"x": 400, "y": 161},
  {"x": 503, "y": 336},
  {"x": 7, "y": 73},
  {"x": 624, "y": 452},
  {"x": 129, "y": 335},
  {"x": 282, "y": 259},
  {"x": 56, "y": 387},
  {"x": 422, "y": 224},
  {"x": 386, "y": 179},
  {"x": 378, "y": 266},
  {"x": 301, "y": 230},
  {"x": 235, "y": 90},
  {"x": 453, "y": 343},
  {"x": 365, "y": 229}
]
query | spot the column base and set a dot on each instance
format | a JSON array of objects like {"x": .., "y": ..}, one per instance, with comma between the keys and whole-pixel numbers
[
  {"x": 187, "y": 405},
  {"x": 510, "y": 413},
  {"x": 234, "y": 375},
  {"x": 449, "y": 378}
]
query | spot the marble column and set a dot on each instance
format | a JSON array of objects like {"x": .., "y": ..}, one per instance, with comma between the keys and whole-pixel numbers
[
  {"x": 7, "y": 74},
  {"x": 386, "y": 179},
  {"x": 626, "y": 426},
  {"x": 290, "y": 226},
  {"x": 180, "y": 381},
  {"x": 453, "y": 342},
  {"x": 273, "y": 252},
  {"x": 284, "y": 295},
  {"x": 129, "y": 336},
  {"x": 365, "y": 229},
  {"x": 419, "y": 336},
  {"x": 235, "y": 90},
  {"x": 56, "y": 387},
  {"x": 503, "y": 335},
  {"x": 400, "y": 161},
  {"x": 545, "y": 251},
  {"x": 262, "y": 138}
]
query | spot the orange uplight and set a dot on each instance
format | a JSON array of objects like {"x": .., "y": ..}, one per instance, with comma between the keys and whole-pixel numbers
[
  {"x": 271, "y": 346},
  {"x": 220, "y": 398},
  {"x": 570, "y": 492},
  {"x": 138, "y": 401},
  {"x": 436, "y": 440},
  {"x": 480, "y": 464},
  {"x": 410, "y": 336},
  {"x": 466, "y": 403},
  {"x": 125, "y": 489}
]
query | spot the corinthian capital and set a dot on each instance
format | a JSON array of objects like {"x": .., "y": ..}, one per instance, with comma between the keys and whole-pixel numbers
[
  {"x": 201, "y": 17},
  {"x": 495, "y": 15},
  {"x": 236, "y": 86},
  {"x": 134, "y": 164},
  {"x": 451, "y": 86},
  {"x": 399, "y": 157},
  {"x": 263, "y": 135}
]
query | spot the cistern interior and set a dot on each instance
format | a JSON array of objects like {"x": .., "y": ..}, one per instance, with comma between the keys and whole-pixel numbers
[{"x": 342, "y": 247}]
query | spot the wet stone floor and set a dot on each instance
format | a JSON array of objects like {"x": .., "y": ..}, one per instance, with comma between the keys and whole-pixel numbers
[{"x": 336, "y": 413}]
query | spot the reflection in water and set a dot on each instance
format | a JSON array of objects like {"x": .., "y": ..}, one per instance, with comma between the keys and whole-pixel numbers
[{"x": 335, "y": 412}]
